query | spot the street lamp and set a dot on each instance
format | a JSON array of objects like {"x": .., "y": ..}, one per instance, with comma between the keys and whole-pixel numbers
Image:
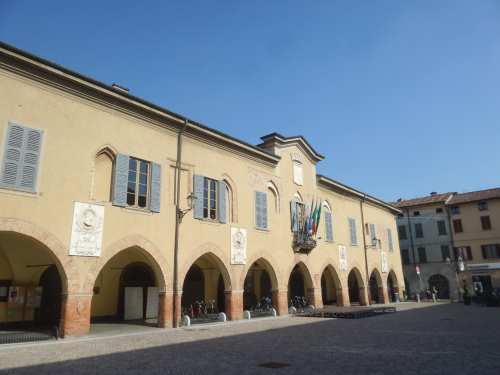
[{"x": 191, "y": 200}]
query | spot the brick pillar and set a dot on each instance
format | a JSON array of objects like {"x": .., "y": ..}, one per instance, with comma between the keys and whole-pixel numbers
[
  {"x": 363, "y": 297},
  {"x": 314, "y": 297},
  {"x": 234, "y": 304},
  {"x": 280, "y": 301},
  {"x": 343, "y": 297},
  {"x": 383, "y": 295},
  {"x": 75, "y": 314},
  {"x": 165, "y": 318}
]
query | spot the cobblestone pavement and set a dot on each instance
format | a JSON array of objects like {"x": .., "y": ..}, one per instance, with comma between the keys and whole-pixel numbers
[{"x": 442, "y": 339}]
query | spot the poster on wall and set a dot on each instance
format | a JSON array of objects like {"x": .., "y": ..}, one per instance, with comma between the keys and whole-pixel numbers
[
  {"x": 34, "y": 297},
  {"x": 16, "y": 295},
  {"x": 383, "y": 258},
  {"x": 86, "y": 233},
  {"x": 238, "y": 246},
  {"x": 343, "y": 258}
]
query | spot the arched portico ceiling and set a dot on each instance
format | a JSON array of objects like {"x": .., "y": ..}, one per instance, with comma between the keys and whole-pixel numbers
[
  {"x": 377, "y": 276},
  {"x": 24, "y": 244},
  {"x": 330, "y": 270},
  {"x": 214, "y": 261},
  {"x": 359, "y": 278},
  {"x": 266, "y": 265},
  {"x": 300, "y": 266}
]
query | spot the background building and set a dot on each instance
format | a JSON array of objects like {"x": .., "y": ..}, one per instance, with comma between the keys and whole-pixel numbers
[
  {"x": 426, "y": 245},
  {"x": 475, "y": 218},
  {"x": 94, "y": 183},
  {"x": 451, "y": 238}
]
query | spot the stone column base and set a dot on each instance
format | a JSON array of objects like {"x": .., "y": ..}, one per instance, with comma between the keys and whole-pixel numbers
[
  {"x": 343, "y": 297},
  {"x": 315, "y": 298},
  {"x": 280, "y": 301},
  {"x": 75, "y": 315},
  {"x": 234, "y": 304},
  {"x": 165, "y": 310}
]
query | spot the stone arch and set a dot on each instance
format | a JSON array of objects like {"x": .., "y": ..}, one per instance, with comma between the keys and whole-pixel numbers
[
  {"x": 267, "y": 261},
  {"x": 331, "y": 286},
  {"x": 356, "y": 286},
  {"x": 393, "y": 286},
  {"x": 298, "y": 197},
  {"x": 145, "y": 247},
  {"x": 376, "y": 287},
  {"x": 55, "y": 249},
  {"x": 300, "y": 282},
  {"x": 214, "y": 253},
  {"x": 260, "y": 283},
  {"x": 233, "y": 199}
]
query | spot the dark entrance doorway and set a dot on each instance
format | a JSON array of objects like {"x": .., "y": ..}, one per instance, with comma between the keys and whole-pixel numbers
[
  {"x": 353, "y": 285},
  {"x": 136, "y": 275},
  {"x": 296, "y": 286},
  {"x": 442, "y": 285},
  {"x": 194, "y": 287},
  {"x": 374, "y": 289},
  {"x": 257, "y": 287},
  {"x": 49, "y": 312}
]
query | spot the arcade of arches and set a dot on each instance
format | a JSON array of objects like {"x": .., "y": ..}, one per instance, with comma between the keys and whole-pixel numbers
[{"x": 130, "y": 287}]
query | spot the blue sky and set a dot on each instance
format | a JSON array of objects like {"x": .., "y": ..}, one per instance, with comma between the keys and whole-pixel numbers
[{"x": 402, "y": 97}]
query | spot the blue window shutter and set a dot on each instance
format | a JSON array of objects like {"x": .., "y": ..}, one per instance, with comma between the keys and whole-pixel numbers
[
  {"x": 373, "y": 234},
  {"x": 120, "y": 180},
  {"x": 198, "y": 192},
  {"x": 222, "y": 202},
  {"x": 264, "y": 210},
  {"x": 293, "y": 216},
  {"x": 352, "y": 229},
  {"x": 21, "y": 158},
  {"x": 155, "y": 187},
  {"x": 260, "y": 210},
  {"x": 328, "y": 226},
  {"x": 389, "y": 238}
]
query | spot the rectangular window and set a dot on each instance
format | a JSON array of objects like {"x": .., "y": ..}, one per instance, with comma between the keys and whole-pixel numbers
[
  {"x": 457, "y": 226},
  {"x": 389, "y": 239},
  {"x": 422, "y": 255},
  {"x": 455, "y": 210},
  {"x": 328, "y": 226},
  {"x": 464, "y": 251},
  {"x": 405, "y": 255},
  {"x": 138, "y": 183},
  {"x": 485, "y": 223},
  {"x": 352, "y": 231},
  {"x": 441, "y": 227},
  {"x": 419, "y": 230},
  {"x": 416, "y": 213},
  {"x": 445, "y": 252},
  {"x": 402, "y": 232},
  {"x": 373, "y": 235},
  {"x": 298, "y": 173},
  {"x": 482, "y": 205},
  {"x": 439, "y": 210},
  {"x": 210, "y": 196},
  {"x": 491, "y": 251}
]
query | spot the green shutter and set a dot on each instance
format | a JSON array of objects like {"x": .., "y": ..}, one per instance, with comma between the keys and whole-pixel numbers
[
  {"x": 389, "y": 239},
  {"x": 352, "y": 231},
  {"x": 328, "y": 226},
  {"x": 260, "y": 210}
]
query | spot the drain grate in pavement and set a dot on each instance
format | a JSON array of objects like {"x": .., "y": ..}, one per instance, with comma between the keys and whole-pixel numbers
[{"x": 274, "y": 365}]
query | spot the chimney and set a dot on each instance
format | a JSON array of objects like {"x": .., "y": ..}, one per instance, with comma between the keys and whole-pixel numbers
[
  {"x": 433, "y": 193},
  {"x": 120, "y": 88}
]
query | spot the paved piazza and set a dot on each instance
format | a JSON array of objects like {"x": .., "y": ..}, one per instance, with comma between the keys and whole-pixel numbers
[{"x": 435, "y": 339}]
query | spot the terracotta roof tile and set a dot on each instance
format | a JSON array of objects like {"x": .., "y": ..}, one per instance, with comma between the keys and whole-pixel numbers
[
  {"x": 475, "y": 196},
  {"x": 421, "y": 201}
]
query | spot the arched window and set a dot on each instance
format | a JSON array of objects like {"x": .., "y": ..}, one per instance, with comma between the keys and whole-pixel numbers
[
  {"x": 103, "y": 172},
  {"x": 274, "y": 202},
  {"x": 230, "y": 209}
]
